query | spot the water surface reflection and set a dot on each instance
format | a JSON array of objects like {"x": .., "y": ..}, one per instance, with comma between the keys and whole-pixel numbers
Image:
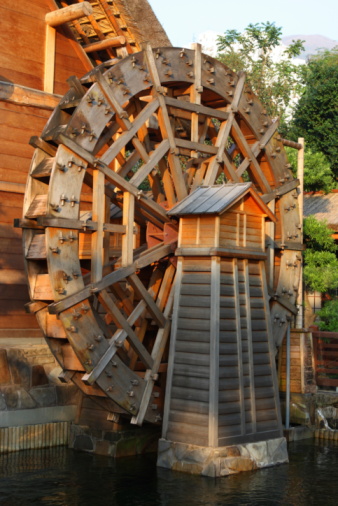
[{"x": 63, "y": 477}]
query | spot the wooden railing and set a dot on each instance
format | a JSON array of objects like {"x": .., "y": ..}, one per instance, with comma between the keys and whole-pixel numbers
[{"x": 326, "y": 358}]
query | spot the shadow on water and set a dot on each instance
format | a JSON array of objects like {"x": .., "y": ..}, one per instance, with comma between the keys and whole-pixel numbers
[{"x": 62, "y": 477}]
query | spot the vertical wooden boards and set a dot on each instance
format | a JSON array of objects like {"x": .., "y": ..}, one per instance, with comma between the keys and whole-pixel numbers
[
  {"x": 186, "y": 416},
  {"x": 98, "y": 215},
  {"x": 128, "y": 221},
  {"x": 249, "y": 406},
  {"x": 214, "y": 351},
  {"x": 49, "y": 66}
]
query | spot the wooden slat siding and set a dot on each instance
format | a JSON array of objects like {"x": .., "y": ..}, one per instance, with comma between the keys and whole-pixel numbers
[
  {"x": 22, "y": 55},
  {"x": 13, "y": 285},
  {"x": 296, "y": 362},
  {"x": 172, "y": 356},
  {"x": 214, "y": 316},
  {"x": 190, "y": 357},
  {"x": 228, "y": 352},
  {"x": 262, "y": 376},
  {"x": 243, "y": 230}
]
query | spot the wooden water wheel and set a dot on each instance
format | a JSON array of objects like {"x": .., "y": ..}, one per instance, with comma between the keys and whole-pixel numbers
[{"x": 100, "y": 249}]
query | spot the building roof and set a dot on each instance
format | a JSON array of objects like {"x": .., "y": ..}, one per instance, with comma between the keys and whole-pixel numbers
[
  {"x": 133, "y": 19},
  {"x": 216, "y": 199},
  {"x": 323, "y": 207}
]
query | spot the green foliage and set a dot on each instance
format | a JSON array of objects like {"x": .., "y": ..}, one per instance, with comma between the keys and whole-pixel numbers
[
  {"x": 321, "y": 270},
  {"x": 317, "y": 172},
  {"x": 316, "y": 115},
  {"x": 321, "y": 263},
  {"x": 329, "y": 316},
  {"x": 274, "y": 82},
  {"x": 318, "y": 236}
]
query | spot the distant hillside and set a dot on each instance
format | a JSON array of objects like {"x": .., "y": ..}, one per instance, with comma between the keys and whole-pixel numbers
[{"x": 313, "y": 43}]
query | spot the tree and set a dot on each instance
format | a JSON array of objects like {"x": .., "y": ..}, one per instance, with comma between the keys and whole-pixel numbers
[
  {"x": 320, "y": 260},
  {"x": 275, "y": 81},
  {"x": 316, "y": 115},
  {"x": 318, "y": 175}
]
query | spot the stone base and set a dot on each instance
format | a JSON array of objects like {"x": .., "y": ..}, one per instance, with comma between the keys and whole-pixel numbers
[{"x": 215, "y": 462}]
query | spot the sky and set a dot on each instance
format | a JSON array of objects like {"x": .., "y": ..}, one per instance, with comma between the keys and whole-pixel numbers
[{"x": 184, "y": 20}]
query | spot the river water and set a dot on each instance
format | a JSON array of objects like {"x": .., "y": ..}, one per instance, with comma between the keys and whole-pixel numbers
[{"x": 62, "y": 477}]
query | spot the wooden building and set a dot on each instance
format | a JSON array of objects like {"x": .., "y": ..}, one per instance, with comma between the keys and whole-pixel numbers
[
  {"x": 38, "y": 54},
  {"x": 222, "y": 387}
]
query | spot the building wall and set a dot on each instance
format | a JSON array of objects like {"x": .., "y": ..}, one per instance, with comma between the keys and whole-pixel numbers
[{"x": 22, "y": 62}]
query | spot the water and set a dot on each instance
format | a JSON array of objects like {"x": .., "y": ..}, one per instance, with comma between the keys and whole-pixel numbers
[{"x": 62, "y": 477}]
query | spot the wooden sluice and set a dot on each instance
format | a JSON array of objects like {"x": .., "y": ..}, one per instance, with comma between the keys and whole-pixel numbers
[{"x": 222, "y": 385}]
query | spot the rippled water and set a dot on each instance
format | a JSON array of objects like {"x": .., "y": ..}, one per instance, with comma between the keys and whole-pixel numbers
[{"x": 62, "y": 477}]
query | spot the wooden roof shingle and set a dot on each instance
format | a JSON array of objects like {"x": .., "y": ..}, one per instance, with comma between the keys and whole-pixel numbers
[{"x": 216, "y": 200}]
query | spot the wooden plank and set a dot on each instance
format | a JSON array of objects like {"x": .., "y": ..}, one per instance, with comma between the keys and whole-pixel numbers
[
  {"x": 157, "y": 353},
  {"x": 69, "y": 13},
  {"x": 120, "y": 335},
  {"x": 249, "y": 316},
  {"x": 98, "y": 214},
  {"x": 214, "y": 352},
  {"x": 104, "y": 44},
  {"x": 222, "y": 139},
  {"x": 196, "y": 108},
  {"x": 38, "y": 207},
  {"x": 49, "y": 66},
  {"x": 239, "y": 346},
  {"x": 154, "y": 159},
  {"x": 108, "y": 280},
  {"x": 144, "y": 294},
  {"x": 165, "y": 127},
  {"x": 281, "y": 190},
  {"x": 128, "y": 223},
  {"x": 22, "y": 95},
  {"x": 133, "y": 340},
  {"x": 172, "y": 349},
  {"x": 246, "y": 150}
]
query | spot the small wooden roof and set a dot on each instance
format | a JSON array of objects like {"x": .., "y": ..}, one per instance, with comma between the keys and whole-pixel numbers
[{"x": 217, "y": 199}]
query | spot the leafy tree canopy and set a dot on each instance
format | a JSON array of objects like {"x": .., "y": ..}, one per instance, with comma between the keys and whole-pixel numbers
[
  {"x": 321, "y": 263},
  {"x": 274, "y": 81},
  {"x": 329, "y": 316},
  {"x": 316, "y": 115},
  {"x": 317, "y": 172}
]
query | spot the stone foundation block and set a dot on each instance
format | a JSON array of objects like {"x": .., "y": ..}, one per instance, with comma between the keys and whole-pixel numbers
[{"x": 215, "y": 462}]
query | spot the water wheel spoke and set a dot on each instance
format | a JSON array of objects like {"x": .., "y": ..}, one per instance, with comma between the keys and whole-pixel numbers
[{"x": 119, "y": 319}]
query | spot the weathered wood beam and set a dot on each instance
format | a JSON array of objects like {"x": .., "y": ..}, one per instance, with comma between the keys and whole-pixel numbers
[
  {"x": 281, "y": 190},
  {"x": 119, "y": 336},
  {"x": 141, "y": 290},
  {"x": 133, "y": 340},
  {"x": 128, "y": 222},
  {"x": 21, "y": 95},
  {"x": 292, "y": 144},
  {"x": 104, "y": 44},
  {"x": 75, "y": 11}
]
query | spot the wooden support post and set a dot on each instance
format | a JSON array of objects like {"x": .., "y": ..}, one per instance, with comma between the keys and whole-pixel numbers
[
  {"x": 49, "y": 70},
  {"x": 76, "y": 11},
  {"x": 128, "y": 222},
  {"x": 300, "y": 175},
  {"x": 214, "y": 352},
  {"x": 98, "y": 235}
]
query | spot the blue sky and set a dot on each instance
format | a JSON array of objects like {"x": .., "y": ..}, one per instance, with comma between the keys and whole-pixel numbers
[{"x": 184, "y": 20}]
